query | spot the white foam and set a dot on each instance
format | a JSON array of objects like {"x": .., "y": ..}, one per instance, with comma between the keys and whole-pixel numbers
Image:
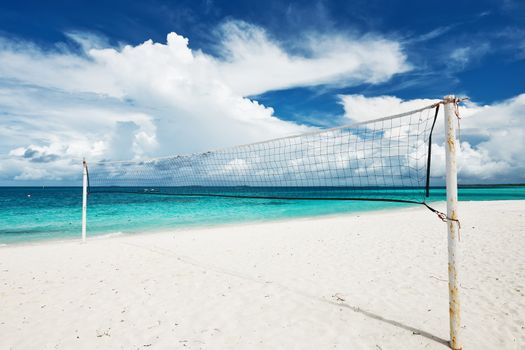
[{"x": 108, "y": 235}]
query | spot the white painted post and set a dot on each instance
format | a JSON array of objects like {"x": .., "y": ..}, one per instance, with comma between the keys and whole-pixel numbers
[
  {"x": 84, "y": 198},
  {"x": 451, "y": 147}
]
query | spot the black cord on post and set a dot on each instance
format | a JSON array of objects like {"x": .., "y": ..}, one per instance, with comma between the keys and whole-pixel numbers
[{"x": 427, "y": 188}]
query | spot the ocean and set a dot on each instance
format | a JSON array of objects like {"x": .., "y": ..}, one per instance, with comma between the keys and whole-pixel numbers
[{"x": 35, "y": 213}]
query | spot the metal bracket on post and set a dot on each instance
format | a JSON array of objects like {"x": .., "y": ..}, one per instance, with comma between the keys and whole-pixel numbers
[
  {"x": 84, "y": 198},
  {"x": 451, "y": 146}
]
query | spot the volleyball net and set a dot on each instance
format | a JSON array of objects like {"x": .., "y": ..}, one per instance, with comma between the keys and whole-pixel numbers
[{"x": 386, "y": 159}]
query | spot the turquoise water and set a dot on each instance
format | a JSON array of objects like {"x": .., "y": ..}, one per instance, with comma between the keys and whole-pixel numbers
[{"x": 32, "y": 213}]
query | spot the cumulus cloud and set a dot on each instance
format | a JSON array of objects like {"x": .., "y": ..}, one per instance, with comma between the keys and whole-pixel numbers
[
  {"x": 492, "y": 147},
  {"x": 156, "y": 99}
]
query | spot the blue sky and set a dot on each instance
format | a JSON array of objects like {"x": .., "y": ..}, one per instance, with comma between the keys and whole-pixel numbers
[
  {"x": 432, "y": 48},
  {"x": 496, "y": 25}
]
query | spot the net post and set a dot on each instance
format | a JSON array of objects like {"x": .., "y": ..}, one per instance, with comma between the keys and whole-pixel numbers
[
  {"x": 451, "y": 147},
  {"x": 84, "y": 198}
]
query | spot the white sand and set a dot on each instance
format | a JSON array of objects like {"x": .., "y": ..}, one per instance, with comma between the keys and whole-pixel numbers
[{"x": 275, "y": 285}]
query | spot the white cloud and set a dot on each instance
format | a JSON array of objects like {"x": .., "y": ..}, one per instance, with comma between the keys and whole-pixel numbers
[
  {"x": 359, "y": 108},
  {"x": 492, "y": 136},
  {"x": 255, "y": 64},
  {"x": 461, "y": 57},
  {"x": 435, "y": 33},
  {"x": 160, "y": 99}
]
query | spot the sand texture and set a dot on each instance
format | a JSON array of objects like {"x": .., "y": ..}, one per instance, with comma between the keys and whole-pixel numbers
[{"x": 359, "y": 281}]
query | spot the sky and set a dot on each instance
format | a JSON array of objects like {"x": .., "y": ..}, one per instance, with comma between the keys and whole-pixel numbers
[{"x": 127, "y": 80}]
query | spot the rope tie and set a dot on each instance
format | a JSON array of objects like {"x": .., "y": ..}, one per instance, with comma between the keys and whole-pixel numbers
[
  {"x": 444, "y": 218},
  {"x": 456, "y": 102}
]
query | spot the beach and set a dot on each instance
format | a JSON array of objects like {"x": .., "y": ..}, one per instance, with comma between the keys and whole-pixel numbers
[{"x": 369, "y": 280}]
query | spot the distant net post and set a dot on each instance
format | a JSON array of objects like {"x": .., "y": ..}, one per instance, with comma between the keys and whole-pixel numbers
[
  {"x": 451, "y": 147},
  {"x": 84, "y": 198}
]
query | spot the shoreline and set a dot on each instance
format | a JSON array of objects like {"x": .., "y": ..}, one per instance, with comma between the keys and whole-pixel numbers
[
  {"x": 204, "y": 226},
  {"x": 45, "y": 218},
  {"x": 149, "y": 231},
  {"x": 438, "y": 204}
]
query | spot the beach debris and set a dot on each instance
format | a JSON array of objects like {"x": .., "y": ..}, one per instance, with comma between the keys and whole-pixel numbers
[
  {"x": 155, "y": 325},
  {"x": 437, "y": 278},
  {"x": 101, "y": 333},
  {"x": 338, "y": 297}
]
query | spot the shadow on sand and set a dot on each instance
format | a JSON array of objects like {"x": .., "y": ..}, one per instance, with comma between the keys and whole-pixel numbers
[{"x": 414, "y": 330}]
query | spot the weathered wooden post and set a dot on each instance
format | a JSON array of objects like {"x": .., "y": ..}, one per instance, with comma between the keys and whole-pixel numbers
[{"x": 451, "y": 147}]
